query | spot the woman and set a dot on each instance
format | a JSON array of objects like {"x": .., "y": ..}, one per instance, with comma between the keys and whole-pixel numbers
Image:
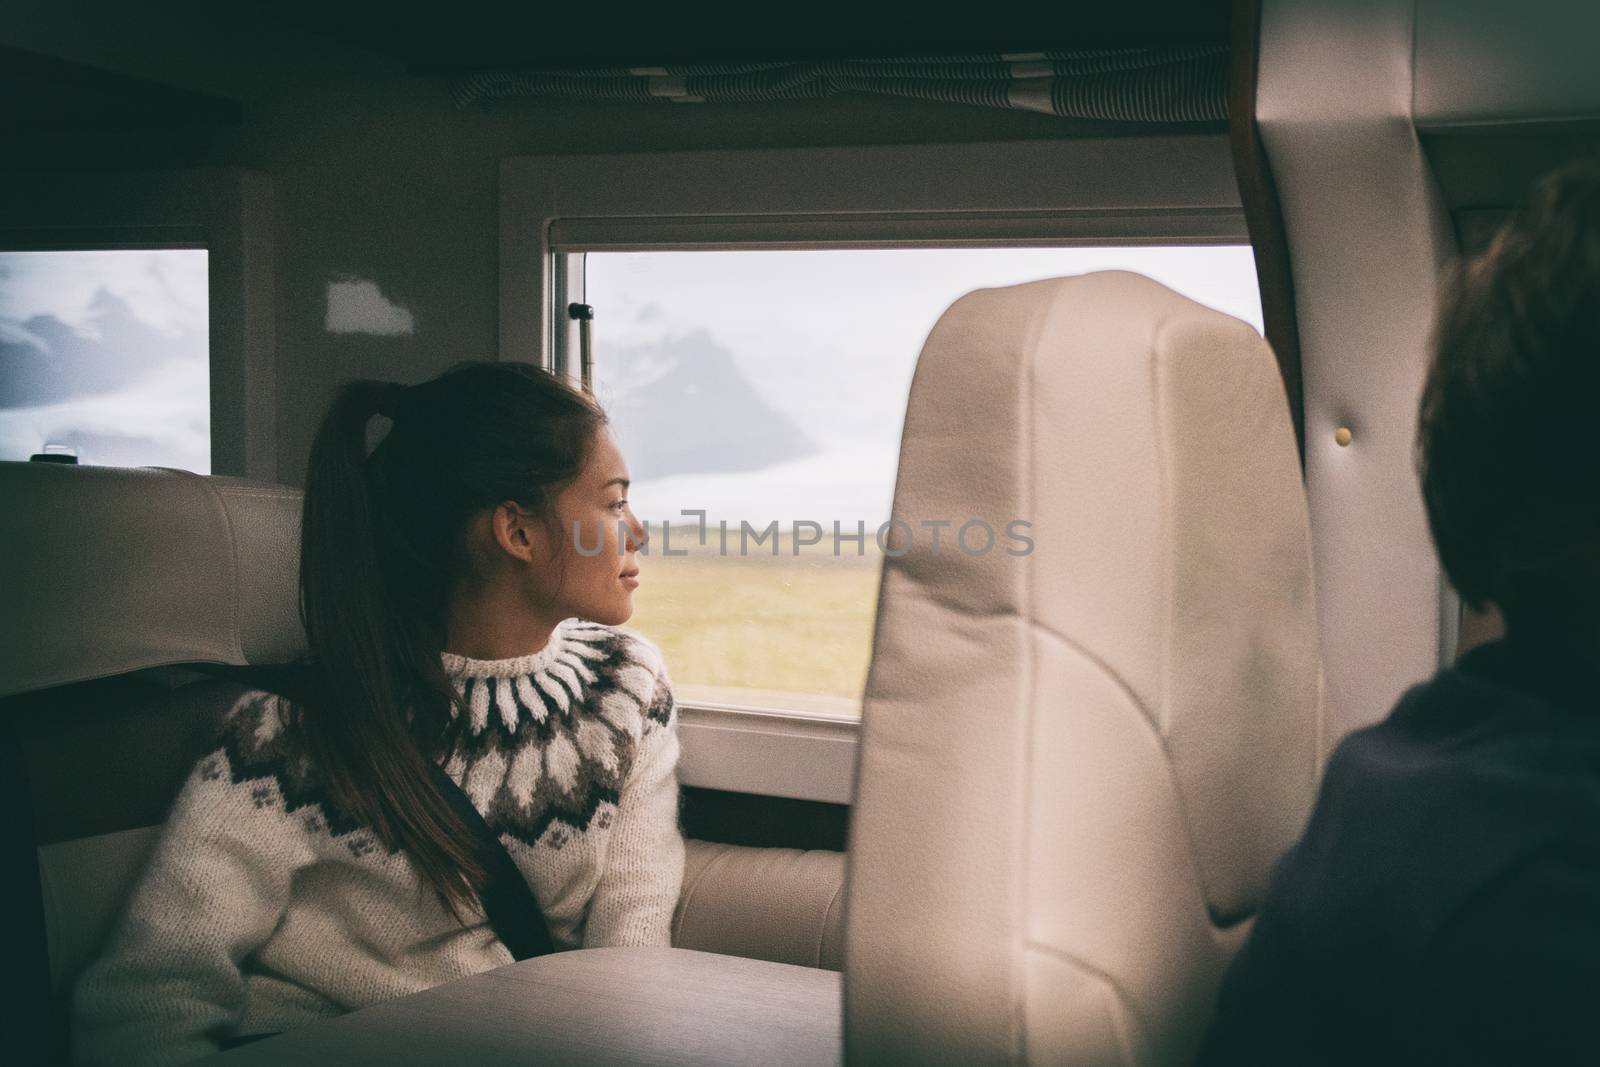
[{"x": 457, "y": 614}]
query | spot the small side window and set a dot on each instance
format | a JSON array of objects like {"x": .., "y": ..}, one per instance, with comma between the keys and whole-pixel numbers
[
  {"x": 105, "y": 356},
  {"x": 766, "y": 388}
]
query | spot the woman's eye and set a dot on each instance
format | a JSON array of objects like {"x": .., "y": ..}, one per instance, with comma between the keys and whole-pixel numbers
[{"x": 619, "y": 505}]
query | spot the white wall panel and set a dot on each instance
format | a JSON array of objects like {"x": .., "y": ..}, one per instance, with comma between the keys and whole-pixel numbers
[{"x": 1367, "y": 236}]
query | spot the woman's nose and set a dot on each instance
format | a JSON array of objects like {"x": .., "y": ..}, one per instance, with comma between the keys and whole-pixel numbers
[{"x": 639, "y": 532}]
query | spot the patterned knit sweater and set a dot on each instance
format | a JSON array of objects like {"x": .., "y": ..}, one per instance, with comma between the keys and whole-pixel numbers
[{"x": 264, "y": 908}]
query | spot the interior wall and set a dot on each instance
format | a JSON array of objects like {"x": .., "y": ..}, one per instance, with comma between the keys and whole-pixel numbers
[
  {"x": 378, "y": 177},
  {"x": 1367, "y": 235},
  {"x": 401, "y": 189}
]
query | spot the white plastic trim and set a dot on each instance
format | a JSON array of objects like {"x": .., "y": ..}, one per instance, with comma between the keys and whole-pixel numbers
[{"x": 770, "y": 753}]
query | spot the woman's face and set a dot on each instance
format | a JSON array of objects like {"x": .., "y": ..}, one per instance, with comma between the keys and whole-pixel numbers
[{"x": 595, "y": 553}]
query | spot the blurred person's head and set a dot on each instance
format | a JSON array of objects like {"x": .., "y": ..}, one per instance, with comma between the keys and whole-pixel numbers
[{"x": 1508, "y": 449}]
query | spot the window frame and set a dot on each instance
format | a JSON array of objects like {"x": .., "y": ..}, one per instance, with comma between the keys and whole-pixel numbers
[
  {"x": 1177, "y": 189},
  {"x": 225, "y": 211},
  {"x": 1159, "y": 190}
]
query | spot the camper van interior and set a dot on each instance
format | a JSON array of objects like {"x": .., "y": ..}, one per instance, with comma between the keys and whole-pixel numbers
[{"x": 1019, "y": 412}]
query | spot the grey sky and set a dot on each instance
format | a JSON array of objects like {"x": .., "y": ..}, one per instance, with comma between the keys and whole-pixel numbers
[
  {"x": 108, "y": 352},
  {"x": 830, "y": 339},
  {"x": 821, "y": 341}
]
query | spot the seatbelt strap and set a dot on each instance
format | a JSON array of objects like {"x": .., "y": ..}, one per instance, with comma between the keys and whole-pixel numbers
[{"x": 513, "y": 912}]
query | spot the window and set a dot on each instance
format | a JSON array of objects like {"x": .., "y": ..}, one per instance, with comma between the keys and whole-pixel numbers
[
  {"x": 767, "y": 388},
  {"x": 106, "y": 354}
]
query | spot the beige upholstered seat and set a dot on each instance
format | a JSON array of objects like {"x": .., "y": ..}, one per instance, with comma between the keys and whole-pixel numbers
[
  {"x": 1079, "y": 762},
  {"x": 109, "y": 571},
  {"x": 113, "y": 579}
]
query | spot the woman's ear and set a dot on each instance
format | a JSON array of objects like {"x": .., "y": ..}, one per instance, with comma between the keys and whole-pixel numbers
[{"x": 516, "y": 532}]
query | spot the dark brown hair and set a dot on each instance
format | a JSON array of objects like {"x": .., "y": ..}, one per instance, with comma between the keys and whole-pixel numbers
[
  {"x": 1507, "y": 448},
  {"x": 381, "y": 548}
]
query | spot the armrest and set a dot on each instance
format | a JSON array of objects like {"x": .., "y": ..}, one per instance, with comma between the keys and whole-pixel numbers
[
  {"x": 588, "y": 1008},
  {"x": 780, "y": 904}
]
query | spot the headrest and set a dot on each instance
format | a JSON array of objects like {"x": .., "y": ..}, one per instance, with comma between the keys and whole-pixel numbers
[
  {"x": 1084, "y": 740},
  {"x": 109, "y": 570}
]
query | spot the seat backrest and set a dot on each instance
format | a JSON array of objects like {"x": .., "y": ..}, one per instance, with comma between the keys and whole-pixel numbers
[
  {"x": 110, "y": 570},
  {"x": 117, "y": 582},
  {"x": 113, "y": 578},
  {"x": 1080, "y": 756}
]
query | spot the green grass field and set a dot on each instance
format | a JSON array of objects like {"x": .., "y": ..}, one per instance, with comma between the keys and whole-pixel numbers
[{"x": 790, "y": 630}]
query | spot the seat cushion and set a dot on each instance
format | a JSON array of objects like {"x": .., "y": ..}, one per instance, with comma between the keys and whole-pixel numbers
[
  {"x": 612, "y": 1006},
  {"x": 782, "y": 904}
]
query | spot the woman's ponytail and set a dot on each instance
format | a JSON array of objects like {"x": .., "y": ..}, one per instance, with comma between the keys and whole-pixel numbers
[
  {"x": 378, "y": 696},
  {"x": 381, "y": 551}
]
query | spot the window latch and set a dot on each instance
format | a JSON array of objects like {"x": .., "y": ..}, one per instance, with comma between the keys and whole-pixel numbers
[{"x": 583, "y": 314}]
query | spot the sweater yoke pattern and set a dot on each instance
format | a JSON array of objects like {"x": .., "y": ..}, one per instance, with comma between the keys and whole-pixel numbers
[
  {"x": 264, "y": 906},
  {"x": 544, "y": 751}
]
